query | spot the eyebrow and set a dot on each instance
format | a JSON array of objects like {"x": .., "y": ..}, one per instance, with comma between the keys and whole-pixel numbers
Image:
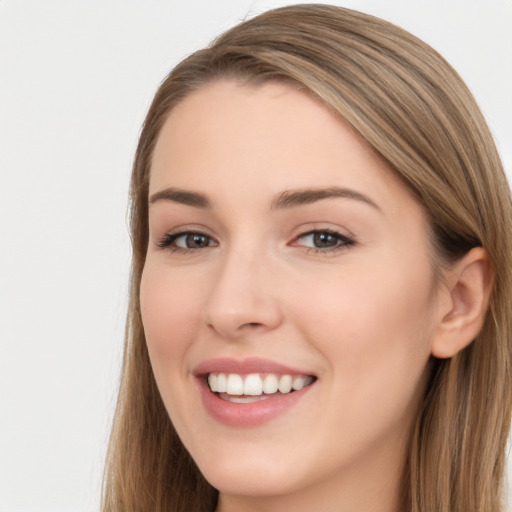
[
  {"x": 178, "y": 195},
  {"x": 286, "y": 199},
  {"x": 293, "y": 198}
]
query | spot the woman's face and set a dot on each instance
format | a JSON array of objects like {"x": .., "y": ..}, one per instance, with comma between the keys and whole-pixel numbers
[{"x": 283, "y": 252}]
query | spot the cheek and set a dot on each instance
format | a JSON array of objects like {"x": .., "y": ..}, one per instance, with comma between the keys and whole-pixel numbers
[
  {"x": 170, "y": 315},
  {"x": 373, "y": 326},
  {"x": 356, "y": 303}
]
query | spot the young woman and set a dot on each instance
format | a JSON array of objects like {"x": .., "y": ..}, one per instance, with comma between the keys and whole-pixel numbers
[{"x": 320, "y": 299}]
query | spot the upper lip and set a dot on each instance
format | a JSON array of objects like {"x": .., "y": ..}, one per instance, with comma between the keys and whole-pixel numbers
[{"x": 245, "y": 366}]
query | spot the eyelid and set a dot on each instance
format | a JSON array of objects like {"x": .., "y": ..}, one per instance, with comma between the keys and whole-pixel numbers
[
  {"x": 169, "y": 237},
  {"x": 345, "y": 240}
]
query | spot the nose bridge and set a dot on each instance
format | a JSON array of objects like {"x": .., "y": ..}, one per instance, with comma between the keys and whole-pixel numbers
[{"x": 242, "y": 299}]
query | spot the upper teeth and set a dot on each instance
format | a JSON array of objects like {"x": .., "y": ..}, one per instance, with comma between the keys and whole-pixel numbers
[{"x": 255, "y": 384}]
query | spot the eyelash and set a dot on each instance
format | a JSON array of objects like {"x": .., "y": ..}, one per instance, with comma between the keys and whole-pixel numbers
[
  {"x": 168, "y": 240},
  {"x": 342, "y": 241}
]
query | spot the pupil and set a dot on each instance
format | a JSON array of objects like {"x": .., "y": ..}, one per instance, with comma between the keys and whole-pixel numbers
[
  {"x": 324, "y": 239},
  {"x": 195, "y": 241}
]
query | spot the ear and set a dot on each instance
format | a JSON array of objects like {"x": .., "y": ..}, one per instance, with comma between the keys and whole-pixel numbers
[{"x": 463, "y": 303}]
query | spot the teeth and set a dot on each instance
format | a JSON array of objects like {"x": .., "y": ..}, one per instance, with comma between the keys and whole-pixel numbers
[
  {"x": 270, "y": 384},
  {"x": 222, "y": 383},
  {"x": 255, "y": 384},
  {"x": 285, "y": 384},
  {"x": 300, "y": 382},
  {"x": 235, "y": 384},
  {"x": 213, "y": 381}
]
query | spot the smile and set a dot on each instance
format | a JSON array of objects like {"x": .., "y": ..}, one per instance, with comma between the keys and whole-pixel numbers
[
  {"x": 238, "y": 388},
  {"x": 250, "y": 392}
]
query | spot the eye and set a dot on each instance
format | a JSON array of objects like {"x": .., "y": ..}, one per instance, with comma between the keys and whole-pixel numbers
[
  {"x": 186, "y": 241},
  {"x": 324, "y": 240}
]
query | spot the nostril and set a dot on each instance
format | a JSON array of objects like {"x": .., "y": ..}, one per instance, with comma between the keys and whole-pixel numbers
[
  {"x": 246, "y": 316},
  {"x": 251, "y": 326}
]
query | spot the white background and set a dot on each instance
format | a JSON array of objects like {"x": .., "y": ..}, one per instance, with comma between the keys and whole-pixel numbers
[{"x": 75, "y": 81}]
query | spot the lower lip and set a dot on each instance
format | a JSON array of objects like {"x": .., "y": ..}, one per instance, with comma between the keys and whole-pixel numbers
[{"x": 248, "y": 415}]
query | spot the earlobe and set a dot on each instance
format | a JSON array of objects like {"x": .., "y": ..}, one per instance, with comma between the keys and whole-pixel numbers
[{"x": 466, "y": 298}]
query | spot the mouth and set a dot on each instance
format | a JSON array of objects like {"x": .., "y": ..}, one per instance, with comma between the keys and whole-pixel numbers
[
  {"x": 255, "y": 387},
  {"x": 251, "y": 392}
]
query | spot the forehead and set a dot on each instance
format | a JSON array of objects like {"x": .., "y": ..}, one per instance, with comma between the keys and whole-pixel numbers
[{"x": 267, "y": 137}]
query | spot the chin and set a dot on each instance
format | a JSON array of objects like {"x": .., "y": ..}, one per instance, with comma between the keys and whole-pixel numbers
[
  {"x": 257, "y": 478},
  {"x": 251, "y": 485}
]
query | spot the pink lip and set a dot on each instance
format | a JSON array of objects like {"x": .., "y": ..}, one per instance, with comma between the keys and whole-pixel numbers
[
  {"x": 244, "y": 367},
  {"x": 252, "y": 414}
]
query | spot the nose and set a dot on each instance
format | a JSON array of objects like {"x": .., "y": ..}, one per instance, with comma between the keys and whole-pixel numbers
[{"x": 243, "y": 298}]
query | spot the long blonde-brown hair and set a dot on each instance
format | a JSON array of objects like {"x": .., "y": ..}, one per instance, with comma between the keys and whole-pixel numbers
[{"x": 414, "y": 110}]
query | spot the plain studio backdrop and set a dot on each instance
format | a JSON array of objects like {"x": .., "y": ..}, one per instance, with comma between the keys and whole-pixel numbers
[{"x": 76, "y": 79}]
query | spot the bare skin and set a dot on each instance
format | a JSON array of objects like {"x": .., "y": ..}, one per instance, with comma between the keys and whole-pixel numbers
[{"x": 299, "y": 245}]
